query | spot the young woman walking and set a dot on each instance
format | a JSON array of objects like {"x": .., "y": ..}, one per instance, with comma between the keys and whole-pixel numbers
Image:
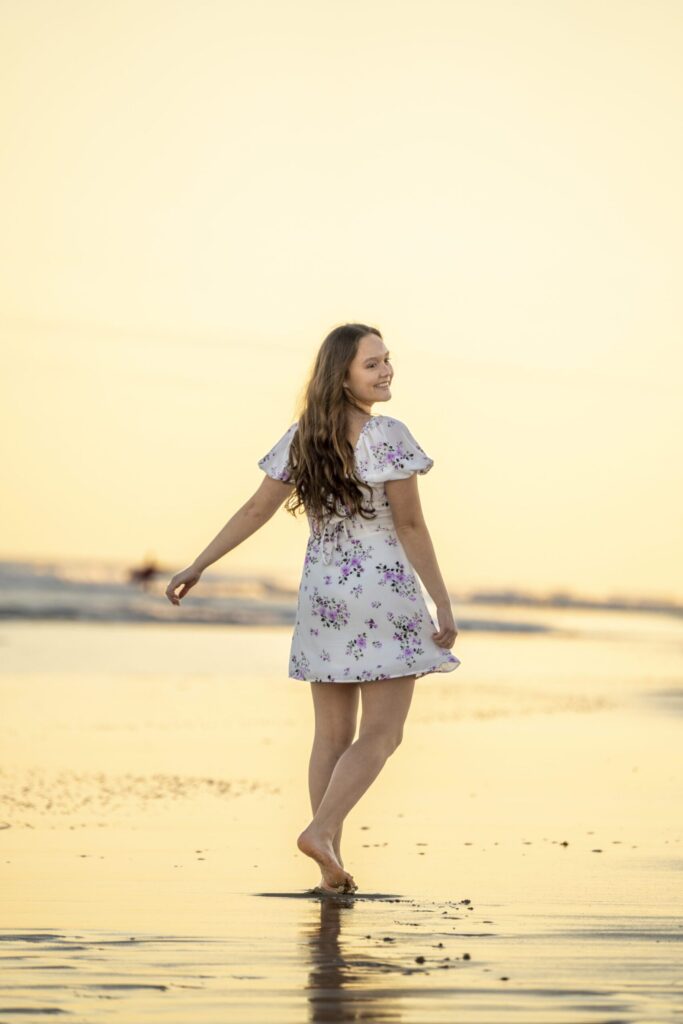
[{"x": 363, "y": 631}]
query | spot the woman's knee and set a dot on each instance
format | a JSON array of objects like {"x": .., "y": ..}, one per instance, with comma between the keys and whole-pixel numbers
[
  {"x": 335, "y": 742},
  {"x": 383, "y": 739},
  {"x": 336, "y": 711},
  {"x": 385, "y": 708}
]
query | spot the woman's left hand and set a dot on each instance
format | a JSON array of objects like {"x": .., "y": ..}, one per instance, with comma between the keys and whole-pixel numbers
[{"x": 447, "y": 631}]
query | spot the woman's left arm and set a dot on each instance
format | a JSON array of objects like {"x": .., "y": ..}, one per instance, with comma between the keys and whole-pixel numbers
[{"x": 411, "y": 528}]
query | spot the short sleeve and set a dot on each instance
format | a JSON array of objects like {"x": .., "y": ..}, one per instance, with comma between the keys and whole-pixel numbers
[
  {"x": 392, "y": 453},
  {"x": 276, "y": 462}
]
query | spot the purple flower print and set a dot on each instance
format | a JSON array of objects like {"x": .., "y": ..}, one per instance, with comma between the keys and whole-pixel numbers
[
  {"x": 299, "y": 666},
  {"x": 370, "y": 623},
  {"x": 331, "y": 612},
  {"x": 407, "y": 633},
  {"x": 398, "y": 579},
  {"x": 376, "y": 604},
  {"x": 357, "y": 645},
  {"x": 357, "y": 590},
  {"x": 312, "y": 556},
  {"x": 395, "y": 456},
  {"x": 276, "y": 462},
  {"x": 352, "y": 560}
]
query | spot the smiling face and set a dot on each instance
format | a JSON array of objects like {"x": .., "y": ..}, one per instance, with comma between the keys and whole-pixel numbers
[{"x": 368, "y": 378}]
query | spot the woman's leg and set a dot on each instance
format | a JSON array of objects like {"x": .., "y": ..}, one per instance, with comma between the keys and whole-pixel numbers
[
  {"x": 335, "y": 707},
  {"x": 385, "y": 706}
]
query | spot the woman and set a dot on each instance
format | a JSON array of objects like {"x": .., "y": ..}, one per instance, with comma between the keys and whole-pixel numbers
[{"x": 362, "y": 624}]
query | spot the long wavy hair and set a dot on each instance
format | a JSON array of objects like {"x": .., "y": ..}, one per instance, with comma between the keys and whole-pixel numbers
[{"x": 320, "y": 455}]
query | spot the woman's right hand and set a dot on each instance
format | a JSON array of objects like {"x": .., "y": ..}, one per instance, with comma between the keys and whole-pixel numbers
[{"x": 186, "y": 579}]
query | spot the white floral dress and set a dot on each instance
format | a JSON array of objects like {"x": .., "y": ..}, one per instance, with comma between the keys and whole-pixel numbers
[{"x": 361, "y": 612}]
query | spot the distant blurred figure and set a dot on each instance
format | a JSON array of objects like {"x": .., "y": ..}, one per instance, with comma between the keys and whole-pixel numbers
[{"x": 144, "y": 573}]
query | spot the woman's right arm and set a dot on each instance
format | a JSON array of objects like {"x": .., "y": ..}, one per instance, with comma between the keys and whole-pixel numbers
[{"x": 255, "y": 512}]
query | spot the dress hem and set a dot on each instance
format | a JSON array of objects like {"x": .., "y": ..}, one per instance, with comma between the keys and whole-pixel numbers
[{"x": 446, "y": 666}]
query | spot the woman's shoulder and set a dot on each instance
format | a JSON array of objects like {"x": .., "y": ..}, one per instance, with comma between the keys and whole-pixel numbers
[
  {"x": 390, "y": 451},
  {"x": 276, "y": 461},
  {"x": 384, "y": 423}
]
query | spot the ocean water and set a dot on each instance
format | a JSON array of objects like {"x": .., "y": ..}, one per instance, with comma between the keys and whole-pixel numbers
[{"x": 98, "y": 591}]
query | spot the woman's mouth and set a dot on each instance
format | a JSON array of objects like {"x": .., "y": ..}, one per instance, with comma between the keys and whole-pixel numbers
[{"x": 385, "y": 385}]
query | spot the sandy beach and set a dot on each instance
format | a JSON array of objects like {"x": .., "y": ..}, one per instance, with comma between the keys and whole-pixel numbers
[{"x": 518, "y": 858}]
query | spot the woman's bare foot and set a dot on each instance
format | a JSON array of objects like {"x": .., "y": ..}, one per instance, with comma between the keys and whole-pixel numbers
[
  {"x": 338, "y": 855},
  {"x": 334, "y": 877},
  {"x": 341, "y": 890}
]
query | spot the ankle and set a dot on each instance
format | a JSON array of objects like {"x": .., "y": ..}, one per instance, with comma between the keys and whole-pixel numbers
[{"x": 322, "y": 832}]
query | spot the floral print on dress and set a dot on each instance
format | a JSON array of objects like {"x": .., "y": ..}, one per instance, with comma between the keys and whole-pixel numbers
[
  {"x": 394, "y": 456},
  {"x": 361, "y": 614},
  {"x": 392, "y": 453},
  {"x": 352, "y": 561},
  {"x": 276, "y": 463},
  {"x": 407, "y": 632},
  {"x": 398, "y": 579},
  {"x": 331, "y": 611},
  {"x": 312, "y": 558},
  {"x": 357, "y": 645},
  {"x": 299, "y": 666}
]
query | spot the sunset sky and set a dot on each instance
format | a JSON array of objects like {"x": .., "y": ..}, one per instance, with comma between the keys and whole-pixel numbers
[{"x": 193, "y": 194}]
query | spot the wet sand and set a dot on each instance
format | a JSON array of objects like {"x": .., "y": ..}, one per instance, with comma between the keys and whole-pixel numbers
[{"x": 519, "y": 857}]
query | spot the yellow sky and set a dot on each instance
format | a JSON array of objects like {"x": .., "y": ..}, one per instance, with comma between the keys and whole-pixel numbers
[{"x": 193, "y": 195}]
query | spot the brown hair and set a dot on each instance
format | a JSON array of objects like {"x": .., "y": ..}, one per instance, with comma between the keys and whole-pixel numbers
[{"x": 320, "y": 456}]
